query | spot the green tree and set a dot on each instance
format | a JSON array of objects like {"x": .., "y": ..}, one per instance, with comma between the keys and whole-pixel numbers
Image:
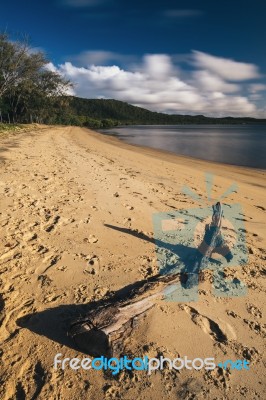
[{"x": 27, "y": 87}]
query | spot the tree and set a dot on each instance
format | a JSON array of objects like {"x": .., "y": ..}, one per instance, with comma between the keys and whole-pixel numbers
[{"x": 27, "y": 87}]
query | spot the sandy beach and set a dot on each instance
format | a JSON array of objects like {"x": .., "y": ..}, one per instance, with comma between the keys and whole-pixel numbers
[{"x": 76, "y": 225}]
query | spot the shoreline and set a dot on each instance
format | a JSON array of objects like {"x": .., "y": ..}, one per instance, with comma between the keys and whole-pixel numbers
[
  {"x": 174, "y": 158},
  {"x": 246, "y": 179},
  {"x": 115, "y": 135}
]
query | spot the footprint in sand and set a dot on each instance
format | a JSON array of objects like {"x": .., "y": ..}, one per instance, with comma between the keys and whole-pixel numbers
[
  {"x": 87, "y": 220},
  {"x": 9, "y": 255},
  {"x": 44, "y": 280},
  {"x": 258, "y": 328},
  {"x": 93, "y": 267},
  {"x": 220, "y": 377},
  {"x": 51, "y": 298},
  {"x": 149, "y": 267},
  {"x": 42, "y": 249},
  {"x": 51, "y": 261},
  {"x": 19, "y": 309},
  {"x": 210, "y": 327},
  {"x": 29, "y": 237},
  {"x": 4, "y": 222},
  {"x": 82, "y": 294},
  {"x": 255, "y": 311},
  {"x": 261, "y": 208},
  {"x": 91, "y": 239},
  {"x": 49, "y": 228},
  {"x": 63, "y": 268},
  {"x": 127, "y": 222},
  {"x": 100, "y": 292},
  {"x": 31, "y": 380},
  {"x": 128, "y": 207},
  {"x": 111, "y": 392}
]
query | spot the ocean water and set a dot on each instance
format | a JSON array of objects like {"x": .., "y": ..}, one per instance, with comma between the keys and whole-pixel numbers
[{"x": 243, "y": 145}]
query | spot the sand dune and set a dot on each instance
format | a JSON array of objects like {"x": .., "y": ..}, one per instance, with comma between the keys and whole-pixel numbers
[{"x": 76, "y": 222}]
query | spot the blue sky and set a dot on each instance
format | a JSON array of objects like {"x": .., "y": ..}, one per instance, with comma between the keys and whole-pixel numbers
[{"x": 192, "y": 56}]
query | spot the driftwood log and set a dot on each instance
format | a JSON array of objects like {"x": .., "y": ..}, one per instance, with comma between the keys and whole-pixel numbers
[{"x": 105, "y": 328}]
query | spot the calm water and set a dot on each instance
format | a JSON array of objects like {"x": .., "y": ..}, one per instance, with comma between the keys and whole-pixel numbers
[{"x": 241, "y": 145}]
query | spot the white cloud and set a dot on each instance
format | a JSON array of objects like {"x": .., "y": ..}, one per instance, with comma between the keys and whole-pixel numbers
[
  {"x": 207, "y": 81},
  {"x": 225, "y": 68},
  {"x": 51, "y": 67},
  {"x": 255, "y": 96},
  {"x": 257, "y": 87},
  {"x": 157, "y": 84},
  {"x": 158, "y": 66}
]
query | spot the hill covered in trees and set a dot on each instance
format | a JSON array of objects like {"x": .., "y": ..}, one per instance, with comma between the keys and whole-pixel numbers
[
  {"x": 108, "y": 112},
  {"x": 103, "y": 113}
]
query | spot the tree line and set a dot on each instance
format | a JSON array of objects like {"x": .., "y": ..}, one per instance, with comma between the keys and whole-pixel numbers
[{"x": 109, "y": 112}]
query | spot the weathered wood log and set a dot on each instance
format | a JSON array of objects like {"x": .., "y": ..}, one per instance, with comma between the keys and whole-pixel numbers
[
  {"x": 213, "y": 240},
  {"x": 104, "y": 330}
]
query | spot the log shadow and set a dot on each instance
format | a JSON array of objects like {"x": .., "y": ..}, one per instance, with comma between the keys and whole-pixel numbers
[
  {"x": 186, "y": 254},
  {"x": 54, "y": 323},
  {"x": 189, "y": 257}
]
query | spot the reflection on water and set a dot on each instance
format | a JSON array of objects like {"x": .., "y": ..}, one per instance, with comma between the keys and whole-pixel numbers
[{"x": 232, "y": 144}]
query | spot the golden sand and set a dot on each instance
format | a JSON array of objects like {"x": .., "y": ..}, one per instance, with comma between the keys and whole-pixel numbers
[{"x": 76, "y": 224}]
